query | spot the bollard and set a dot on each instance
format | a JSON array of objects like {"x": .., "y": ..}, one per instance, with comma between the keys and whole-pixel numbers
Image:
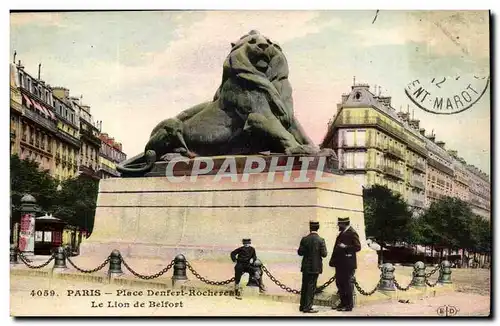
[
  {"x": 115, "y": 264},
  {"x": 418, "y": 274},
  {"x": 13, "y": 254},
  {"x": 255, "y": 274},
  {"x": 179, "y": 269},
  {"x": 60, "y": 259},
  {"x": 387, "y": 278},
  {"x": 445, "y": 273}
]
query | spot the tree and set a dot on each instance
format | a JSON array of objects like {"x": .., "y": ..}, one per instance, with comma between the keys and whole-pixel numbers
[
  {"x": 447, "y": 224},
  {"x": 27, "y": 177},
  {"x": 387, "y": 216},
  {"x": 76, "y": 202}
]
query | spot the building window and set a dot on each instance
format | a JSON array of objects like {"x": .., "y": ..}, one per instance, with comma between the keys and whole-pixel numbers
[
  {"x": 349, "y": 138},
  {"x": 361, "y": 137},
  {"x": 359, "y": 160}
]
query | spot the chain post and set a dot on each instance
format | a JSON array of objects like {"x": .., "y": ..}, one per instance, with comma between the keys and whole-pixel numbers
[
  {"x": 59, "y": 260},
  {"x": 256, "y": 267},
  {"x": 179, "y": 270},
  {"x": 387, "y": 278},
  {"x": 418, "y": 274},
  {"x": 13, "y": 254},
  {"x": 445, "y": 273},
  {"x": 115, "y": 264}
]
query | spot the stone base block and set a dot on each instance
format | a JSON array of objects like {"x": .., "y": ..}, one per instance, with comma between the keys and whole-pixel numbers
[{"x": 153, "y": 217}]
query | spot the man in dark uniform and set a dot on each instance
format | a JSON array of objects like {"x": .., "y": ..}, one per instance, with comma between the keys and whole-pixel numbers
[
  {"x": 313, "y": 249},
  {"x": 244, "y": 257},
  {"x": 344, "y": 260}
]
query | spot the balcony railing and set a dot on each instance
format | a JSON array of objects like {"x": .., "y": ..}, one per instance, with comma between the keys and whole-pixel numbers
[
  {"x": 434, "y": 194},
  {"x": 417, "y": 165},
  {"x": 42, "y": 121},
  {"x": 368, "y": 166},
  {"x": 393, "y": 172},
  {"x": 379, "y": 123},
  {"x": 394, "y": 152},
  {"x": 345, "y": 145},
  {"x": 417, "y": 184},
  {"x": 440, "y": 166},
  {"x": 462, "y": 180}
]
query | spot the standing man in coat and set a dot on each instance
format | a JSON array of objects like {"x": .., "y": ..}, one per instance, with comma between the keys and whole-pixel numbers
[
  {"x": 313, "y": 250},
  {"x": 344, "y": 260}
]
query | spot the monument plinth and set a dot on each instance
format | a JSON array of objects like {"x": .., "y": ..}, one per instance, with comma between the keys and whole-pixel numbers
[{"x": 154, "y": 217}]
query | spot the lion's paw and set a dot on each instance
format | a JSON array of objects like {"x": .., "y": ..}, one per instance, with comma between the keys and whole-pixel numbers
[
  {"x": 302, "y": 149},
  {"x": 328, "y": 152}
]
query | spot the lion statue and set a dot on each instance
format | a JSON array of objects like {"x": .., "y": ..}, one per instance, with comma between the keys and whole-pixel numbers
[{"x": 251, "y": 112}]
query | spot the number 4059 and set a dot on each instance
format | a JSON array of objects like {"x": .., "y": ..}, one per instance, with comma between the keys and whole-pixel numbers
[{"x": 43, "y": 293}]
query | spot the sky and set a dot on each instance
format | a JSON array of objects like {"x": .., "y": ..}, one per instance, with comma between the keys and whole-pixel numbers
[{"x": 135, "y": 69}]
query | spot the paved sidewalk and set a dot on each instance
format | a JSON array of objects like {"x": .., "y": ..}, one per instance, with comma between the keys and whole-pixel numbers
[{"x": 60, "y": 304}]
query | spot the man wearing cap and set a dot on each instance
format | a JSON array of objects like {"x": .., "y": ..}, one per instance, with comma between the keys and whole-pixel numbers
[
  {"x": 344, "y": 260},
  {"x": 313, "y": 249},
  {"x": 244, "y": 256}
]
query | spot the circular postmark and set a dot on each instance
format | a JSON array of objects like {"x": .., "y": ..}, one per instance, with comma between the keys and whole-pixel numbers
[{"x": 447, "y": 95}]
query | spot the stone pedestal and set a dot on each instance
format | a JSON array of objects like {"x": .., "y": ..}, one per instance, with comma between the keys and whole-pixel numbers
[{"x": 207, "y": 218}]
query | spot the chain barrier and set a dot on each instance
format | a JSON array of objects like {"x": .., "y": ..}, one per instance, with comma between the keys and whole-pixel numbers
[
  {"x": 432, "y": 272},
  {"x": 25, "y": 261},
  {"x": 278, "y": 283},
  {"x": 399, "y": 287},
  {"x": 148, "y": 277},
  {"x": 24, "y": 257},
  {"x": 430, "y": 284},
  {"x": 88, "y": 271},
  {"x": 204, "y": 280},
  {"x": 363, "y": 292},
  {"x": 327, "y": 283}
]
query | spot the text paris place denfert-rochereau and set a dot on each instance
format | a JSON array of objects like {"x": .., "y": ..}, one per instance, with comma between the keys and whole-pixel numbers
[{"x": 125, "y": 293}]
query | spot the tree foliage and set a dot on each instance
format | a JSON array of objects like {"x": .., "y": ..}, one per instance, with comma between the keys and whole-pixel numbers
[
  {"x": 387, "y": 216},
  {"x": 448, "y": 222},
  {"x": 26, "y": 177},
  {"x": 75, "y": 203}
]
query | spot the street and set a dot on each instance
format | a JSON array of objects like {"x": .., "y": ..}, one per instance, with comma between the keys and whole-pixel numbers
[{"x": 38, "y": 296}]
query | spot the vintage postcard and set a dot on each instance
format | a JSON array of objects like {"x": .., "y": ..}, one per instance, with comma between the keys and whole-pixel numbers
[{"x": 250, "y": 163}]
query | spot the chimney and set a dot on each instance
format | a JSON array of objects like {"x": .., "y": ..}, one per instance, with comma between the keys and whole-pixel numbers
[
  {"x": 415, "y": 124},
  {"x": 403, "y": 116},
  {"x": 344, "y": 97},
  {"x": 386, "y": 100},
  {"x": 422, "y": 131}
]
